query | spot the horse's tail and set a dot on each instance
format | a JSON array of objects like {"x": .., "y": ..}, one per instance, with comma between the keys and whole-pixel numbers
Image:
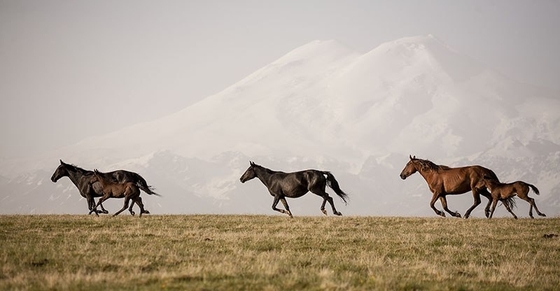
[
  {"x": 143, "y": 185},
  {"x": 533, "y": 188},
  {"x": 509, "y": 202},
  {"x": 333, "y": 183}
]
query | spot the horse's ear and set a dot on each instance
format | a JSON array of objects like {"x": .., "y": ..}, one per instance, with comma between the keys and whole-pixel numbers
[
  {"x": 61, "y": 162},
  {"x": 251, "y": 163}
]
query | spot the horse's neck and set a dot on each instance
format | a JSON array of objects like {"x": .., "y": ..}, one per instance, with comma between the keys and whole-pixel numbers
[
  {"x": 263, "y": 175},
  {"x": 74, "y": 176},
  {"x": 428, "y": 174}
]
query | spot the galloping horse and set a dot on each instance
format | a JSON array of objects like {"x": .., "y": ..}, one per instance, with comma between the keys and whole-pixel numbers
[
  {"x": 505, "y": 192},
  {"x": 89, "y": 189},
  {"x": 444, "y": 180},
  {"x": 128, "y": 191},
  {"x": 294, "y": 185}
]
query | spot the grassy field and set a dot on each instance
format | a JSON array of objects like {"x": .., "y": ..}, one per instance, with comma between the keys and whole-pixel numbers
[{"x": 229, "y": 252}]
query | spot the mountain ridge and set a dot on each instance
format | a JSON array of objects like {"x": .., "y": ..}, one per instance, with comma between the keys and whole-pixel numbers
[{"x": 358, "y": 115}]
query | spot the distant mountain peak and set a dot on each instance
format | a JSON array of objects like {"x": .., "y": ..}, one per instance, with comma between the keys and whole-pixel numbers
[{"x": 317, "y": 50}]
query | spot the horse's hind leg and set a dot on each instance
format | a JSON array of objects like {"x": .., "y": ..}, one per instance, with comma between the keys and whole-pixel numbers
[
  {"x": 531, "y": 202},
  {"x": 126, "y": 201},
  {"x": 138, "y": 201},
  {"x": 535, "y": 205},
  {"x": 141, "y": 205},
  {"x": 476, "y": 202},
  {"x": 443, "y": 202},
  {"x": 323, "y": 206},
  {"x": 328, "y": 198},
  {"x": 130, "y": 208}
]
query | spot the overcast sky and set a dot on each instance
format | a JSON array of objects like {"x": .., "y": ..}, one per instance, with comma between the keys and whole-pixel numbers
[{"x": 73, "y": 69}]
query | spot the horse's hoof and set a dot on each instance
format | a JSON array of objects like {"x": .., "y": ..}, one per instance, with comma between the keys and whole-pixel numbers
[
  {"x": 457, "y": 214},
  {"x": 105, "y": 212},
  {"x": 542, "y": 214},
  {"x": 338, "y": 213},
  {"x": 324, "y": 211},
  {"x": 146, "y": 212}
]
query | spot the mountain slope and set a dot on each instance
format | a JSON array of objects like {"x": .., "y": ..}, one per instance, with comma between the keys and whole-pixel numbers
[{"x": 358, "y": 115}]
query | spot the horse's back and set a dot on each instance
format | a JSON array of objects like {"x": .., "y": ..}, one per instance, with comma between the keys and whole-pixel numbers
[
  {"x": 463, "y": 179},
  {"x": 296, "y": 184}
]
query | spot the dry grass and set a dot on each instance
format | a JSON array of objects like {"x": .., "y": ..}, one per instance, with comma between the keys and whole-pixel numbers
[{"x": 222, "y": 252}]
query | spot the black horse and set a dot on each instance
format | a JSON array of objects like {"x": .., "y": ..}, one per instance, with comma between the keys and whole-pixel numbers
[
  {"x": 294, "y": 185},
  {"x": 90, "y": 188}
]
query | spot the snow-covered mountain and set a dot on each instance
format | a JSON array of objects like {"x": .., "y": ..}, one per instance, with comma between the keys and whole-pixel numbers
[{"x": 323, "y": 106}]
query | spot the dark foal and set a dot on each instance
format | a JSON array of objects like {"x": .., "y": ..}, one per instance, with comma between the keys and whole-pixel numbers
[{"x": 128, "y": 191}]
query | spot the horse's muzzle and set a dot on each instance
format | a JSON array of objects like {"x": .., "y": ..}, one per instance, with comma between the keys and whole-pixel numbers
[{"x": 403, "y": 176}]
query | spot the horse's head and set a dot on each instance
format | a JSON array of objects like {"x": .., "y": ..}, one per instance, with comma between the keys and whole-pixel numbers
[
  {"x": 60, "y": 172},
  {"x": 410, "y": 168},
  {"x": 249, "y": 174},
  {"x": 97, "y": 176},
  {"x": 490, "y": 182}
]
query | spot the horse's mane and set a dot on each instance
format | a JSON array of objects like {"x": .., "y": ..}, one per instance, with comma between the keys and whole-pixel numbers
[
  {"x": 269, "y": 171},
  {"x": 429, "y": 165},
  {"x": 78, "y": 169}
]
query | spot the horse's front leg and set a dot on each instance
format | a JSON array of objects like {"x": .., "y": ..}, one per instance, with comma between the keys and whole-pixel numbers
[
  {"x": 125, "y": 206},
  {"x": 433, "y": 206},
  {"x": 91, "y": 201},
  {"x": 488, "y": 196},
  {"x": 275, "y": 203},
  {"x": 103, "y": 209},
  {"x": 94, "y": 209},
  {"x": 443, "y": 201},
  {"x": 285, "y": 203},
  {"x": 509, "y": 209},
  {"x": 494, "y": 203}
]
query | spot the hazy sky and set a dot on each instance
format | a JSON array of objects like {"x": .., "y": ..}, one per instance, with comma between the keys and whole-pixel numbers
[{"x": 73, "y": 69}]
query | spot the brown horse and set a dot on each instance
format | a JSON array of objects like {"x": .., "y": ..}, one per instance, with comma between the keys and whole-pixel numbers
[
  {"x": 128, "y": 191},
  {"x": 505, "y": 192},
  {"x": 294, "y": 185},
  {"x": 444, "y": 180}
]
